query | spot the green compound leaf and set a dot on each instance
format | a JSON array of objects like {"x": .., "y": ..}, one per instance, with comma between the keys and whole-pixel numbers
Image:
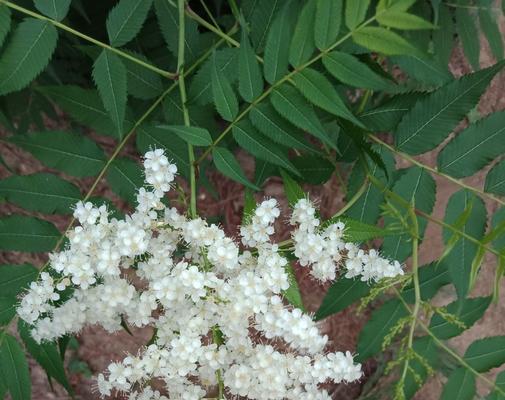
[
  {"x": 83, "y": 105},
  {"x": 460, "y": 258},
  {"x": 355, "y": 12},
  {"x": 28, "y": 234},
  {"x": 328, "y": 21},
  {"x": 46, "y": 354},
  {"x": 434, "y": 116},
  {"x": 272, "y": 125},
  {"x": 319, "y": 91},
  {"x": 41, "y": 192},
  {"x": 125, "y": 20},
  {"x": 382, "y": 320},
  {"x": 27, "y": 54},
  {"x": 250, "y": 80},
  {"x": 190, "y": 134},
  {"x": 475, "y": 147},
  {"x": 340, "y": 295},
  {"x": 74, "y": 154},
  {"x": 302, "y": 43},
  {"x": 459, "y": 386},
  {"x": 469, "y": 36},
  {"x": 384, "y": 41},
  {"x": 276, "y": 58},
  {"x": 227, "y": 164},
  {"x": 487, "y": 353},
  {"x": 224, "y": 98},
  {"x": 109, "y": 74},
  {"x": 5, "y": 22},
  {"x": 14, "y": 368},
  {"x": 125, "y": 178},
  {"x": 495, "y": 179},
  {"x": 289, "y": 103},
  {"x": 259, "y": 146},
  {"x": 349, "y": 70},
  {"x": 467, "y": 311},
  {"x": 16, "y": 278},
  {"x": 55, "y": 9}
]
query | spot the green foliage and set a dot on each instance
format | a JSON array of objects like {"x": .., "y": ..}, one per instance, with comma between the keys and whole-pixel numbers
[{"x": 304, "y": 88}]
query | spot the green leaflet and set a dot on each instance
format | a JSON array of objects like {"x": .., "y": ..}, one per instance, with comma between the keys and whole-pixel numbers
[
  {"x": 328, "y": 18},
  {"x": 67, "y": 152},
  {"x": 433, "y": 117},
  {"x": 264, "y": 13},
  {"x": 426, "y": 71},
  {"x": 416, "y": 186},
  {"x": 487, "y": 353},
  {"x": 276, "y": 58},
  {"x": 27, "y": 54},
  {"x": 475, "y": 147},
  {"x": 125, "y": 178},
  {"x": 302, "y": 43},
  {"x": 149, "y": 137},
  {"x": 289, "y": 103},
  {"x": 250, "y": 80},
  {"x": 272, "y": 125},
  {"x": 200, "y": 89},
  {"x": 109, "y": 74},
  {"x": 7, "y": 309},
  {"x": 368, "y": 207},
  {"x": 314, "y": 169},
  {"x": 142, "y": 83},
  {"x": 341, "y": 294},
  {"x": 489, "y": 26},
  {"x": 5, "y": 22},
  {"x": 227, "y": 164},
  {"x": 46, "y": 354},
  {"x": 263, "y": 171},
  {"x": 14, "y": 368},
  {"x": 168, "y": 21},
  {"x": 467, "y": 311},
  {"x": 495, "y": 179},
  {"x": 319, "y": 91},
  {"x": 459, "y": 260},
  {"x": 459, "y": 386},
  {"x": 292, "y": 189},
  {"x": 190, "y": 134},
  {"x": 469, "y": 36},
  {"x": 259, "y": 146},
  {"x": 84, "y": 106},
  {"x": 55, "y": 9},
  {"x": 224, "y": 98},
  {"x": 292, "y": 294},
  {"x": 16, "y": 278},
  {"x": 349, "y": 70},
  {"x": 41, "y": 192},
  {"x": 384, "y": 41},
  {"x": 125, "y": 20},
  {"x": 403, "y": 20},
  {"x": 29, "y": 234},
  {"x": 382, "y": 320},
  {"x": 355, "y": 12},
  {"x": 443, "y": 37},
  {"x": 431, "y": 278},
  {"x": 386, "y": 117}
]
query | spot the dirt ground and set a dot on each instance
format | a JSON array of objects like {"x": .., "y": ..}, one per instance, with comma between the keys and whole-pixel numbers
[{"x": 97, "y": 349}]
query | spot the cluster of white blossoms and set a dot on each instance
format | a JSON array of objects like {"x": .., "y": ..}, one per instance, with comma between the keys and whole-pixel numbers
[{"x": 216, "y": 310}]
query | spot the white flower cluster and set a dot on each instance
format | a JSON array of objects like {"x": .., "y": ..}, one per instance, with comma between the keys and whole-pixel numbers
[
  {"x": 217, "y": 312},
  {"x": 325, "y": 249}
]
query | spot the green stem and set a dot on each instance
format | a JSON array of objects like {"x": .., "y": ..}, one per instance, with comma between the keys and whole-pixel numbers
[
  {"x": 182, "y": 89},
  {"x": 66, "y": 28},
  {"x": 434, "y": 170}
]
